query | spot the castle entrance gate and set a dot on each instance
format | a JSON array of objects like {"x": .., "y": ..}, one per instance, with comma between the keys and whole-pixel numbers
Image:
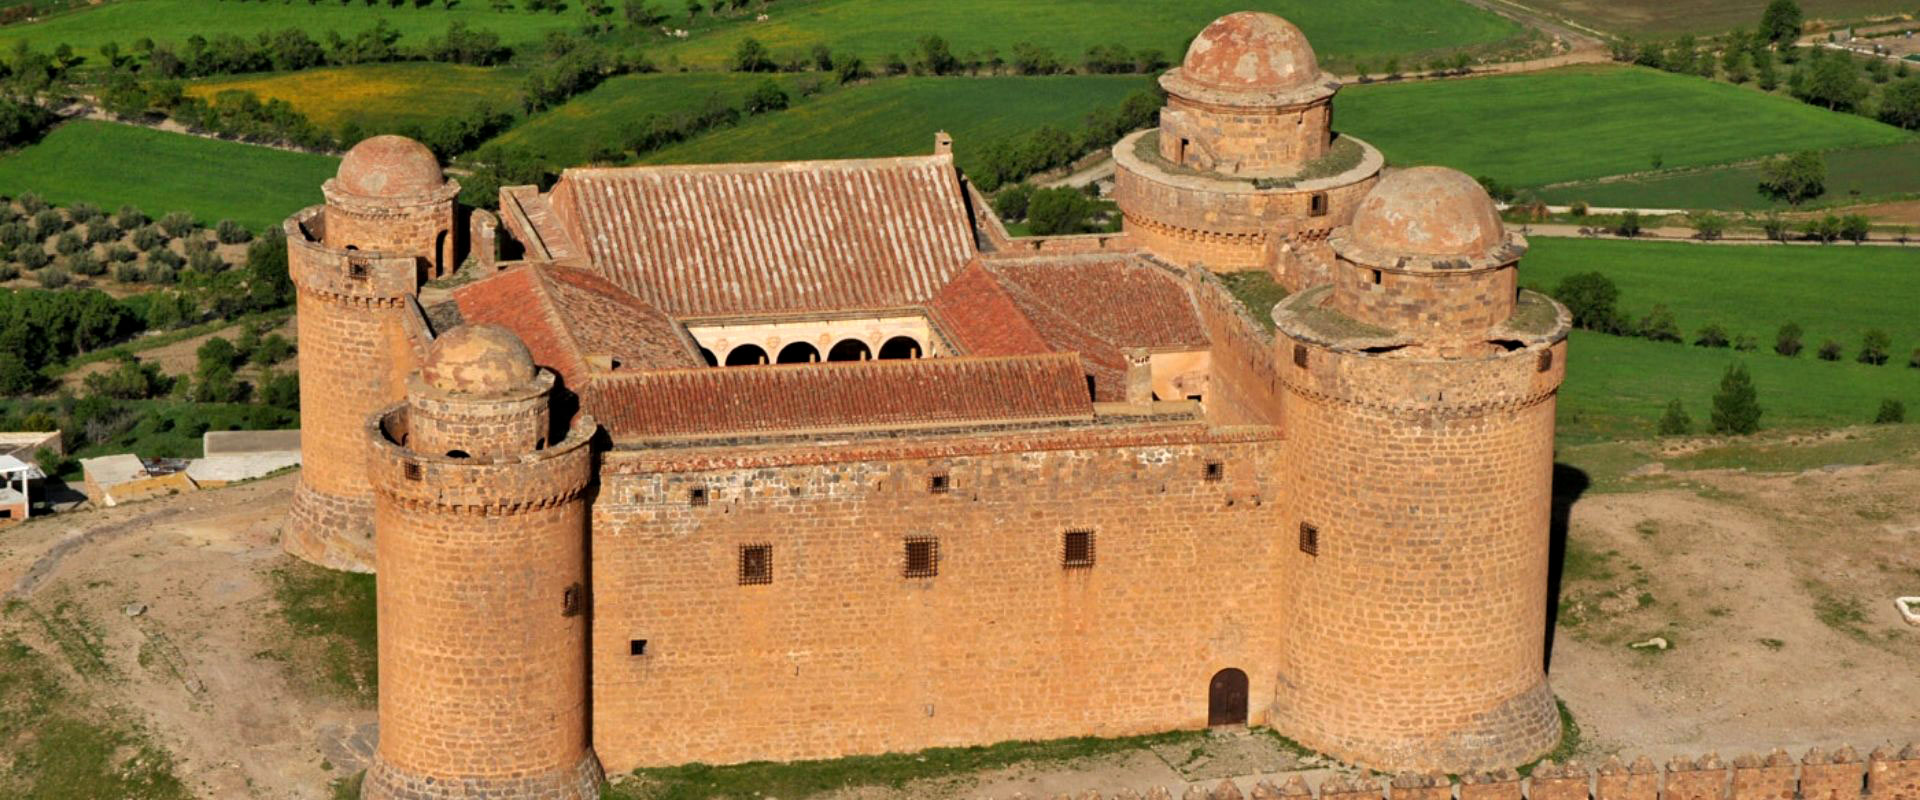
[{"x": 1227, "y": 698}]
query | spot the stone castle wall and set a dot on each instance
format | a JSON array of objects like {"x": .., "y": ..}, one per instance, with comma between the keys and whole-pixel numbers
[
  {"x": 842, "y": 653},
  {"x": 422, "y": 227},
  {"x": 1426, "y": 304},
  {"x": 1246, "y": 141},
  {"x": 1886, "y": 774},
  {"x": 1243, "y": 383}
]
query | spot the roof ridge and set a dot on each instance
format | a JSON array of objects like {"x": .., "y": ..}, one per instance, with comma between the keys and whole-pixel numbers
[
  {"x": 935, "y": 159},
  {"x": 1011, "y": 287},
  {"x": 551, "y": 311},
  {"x": 872, "y": 365}
]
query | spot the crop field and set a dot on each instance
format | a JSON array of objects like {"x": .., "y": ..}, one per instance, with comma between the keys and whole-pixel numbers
[
  {"x": 1852, "y": 175},
  {"x": 125, "y": 21},
  {"x": 1341, "y": 32},
  {"x": 110, "y": 164},
  {"x": 379, "y": 97},
  {"x": 899, "y": 117},
  {"x": 1590, "y": 122},
  {"x": 1668, "y": 18},
  {"x": 605, "y": 116}
]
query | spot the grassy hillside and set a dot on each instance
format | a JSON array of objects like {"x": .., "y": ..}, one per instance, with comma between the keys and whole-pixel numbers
[
  {"x": 899, "y": 117},
  {"x": 1852, "y": 174},
  {"x": 126, "y": 21},
  {"x": 1343, "y": 32},
  {"x": 1666, "y": 17},
  {"x": 608, "y": 114},
  {"x": 110, "y": 164},
  {"x": 379, "y": 96},
  {"x": 1590, "y": 122}
]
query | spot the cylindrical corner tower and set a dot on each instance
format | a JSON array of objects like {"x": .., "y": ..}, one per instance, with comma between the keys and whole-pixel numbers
[
  {"x": 356, "y": 264},
  {"x": 1244, "y": 171},
  {"x": 482, "y": 534},
  {"x": 1419, "y": 402}
]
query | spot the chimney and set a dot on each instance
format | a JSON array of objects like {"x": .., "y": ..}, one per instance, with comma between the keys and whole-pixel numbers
[
  {"x": 1139, "y": 377},
  {"x": 942, "y": 143}
]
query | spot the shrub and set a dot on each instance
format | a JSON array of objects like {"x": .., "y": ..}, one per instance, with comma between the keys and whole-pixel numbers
[
  {"x": 128, "y": 272},
  {"x": 48, "y": 223},
  {"x": 167, "y": 258},
  {"x": 1830, "y": 351},
  {"x": 1579, "y": 208},
  {"x": 1874, "y": 348},
  {"x": 86, "y": 264},
  {"x": 206, "y": 264},
  {"x": 1787, "y": 341},
  {"x": 148, "y": 238},
  {"x": 32, "y": 203},
  {"x": 195, "y": 246},
  {"x": 1745, "y": 343},
  {"x": 768, "y": 96},
  {"x": 1058, "y": 211},
  {"x": 69, "y": 243},
  {"x": 102, "y": 232},
  {"x": 129, "y": 218},
  {"x": 1660, "y": 326},
  {"x": 1914, "y": 360},
  {"x": 161, "y": 274},
  {"x": 178, "y": 224},
  {"x": 1712, "y": 336},
  {"x": 8, "y": 271},
  {"x": 1707, "y": 225},
  {"x": 83, "y": 213},
  {"x": 31, "y": 256},
  {"x": 1591, "y": 297},
  {"x": 1736, "y": 407},
  {"x": 1675, "y": 422},
  {"x": 121, "y": 253},
  {"x": 1629, "y": 224},
  {"x": 752, "y": 56},
  {"x": 54, "y": 278},
  {"x": 1824, "y": 229},
  {"x": 1855, "y": 228},
  {"x": 230, "y": 232},
  {"x": 1011, "y": 202},
  {"x": 13, "y": 235},
  {"x": 273, "y": 349},
  {"x": 1892, "y": 412}
]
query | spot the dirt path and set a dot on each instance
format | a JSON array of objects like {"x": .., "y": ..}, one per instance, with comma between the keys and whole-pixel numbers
[{"x": 1686, "y": 236}]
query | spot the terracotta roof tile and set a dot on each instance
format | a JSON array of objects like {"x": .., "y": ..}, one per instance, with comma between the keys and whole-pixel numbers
[
  {"x": 778, "y": 237},
  {"x": 839, "y": 396},
  {"x": 979, "y": 317},
  {"x": 514, "y": 299},
  {"x": 1122, "y": 301},
  {"x": 565, "y": 314}
]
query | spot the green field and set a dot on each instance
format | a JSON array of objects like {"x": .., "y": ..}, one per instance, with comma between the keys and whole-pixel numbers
[
  {"x": 1668, "y": 18},
  {"x": 1852, "y": 175},
  {"x": 899, "y": 117},
  {"x": 605, "y": 116},
  {"x": 1618, "y": 387},
  {"x": 379, "y": 97},
  {"x": 109, "y": 164},
  {"x": 1341, "y": 32},
  {"x": 125, "y": 21},
  {"x": 1590, "y": 122}
]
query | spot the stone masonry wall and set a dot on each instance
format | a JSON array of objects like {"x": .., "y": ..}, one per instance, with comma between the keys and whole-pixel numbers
[
  {"x": 1243, "y": 384},
  {"x": 1420, "y": 617},
  {"x": 1885, "y": 775},
  {"x": 1426, "y": 304},
  {"x": 424, "y": 230},
  {"x": 842, "y": 653},
  {"x": 1245, "y": 141}
]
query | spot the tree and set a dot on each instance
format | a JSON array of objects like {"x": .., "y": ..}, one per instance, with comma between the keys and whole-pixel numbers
[
  {"x": 935, "y": 57},
  {"x": 693, "y": 10},
  {"x": 1873, "y": 349},
  {"x": 1058, "y": 211},
  {"x": 1659, "y": 325},
  {"x": 1592, "y": 298},
  {"x": 1892, "y": 412},
  {"x": 1707, "y": 225},
  {"x": 1824, "y": 228},
  {"x": 217, "y": 352},
  {"x": 1855, "y": 227},
  {"x": 1629, "y": 224},
  {"x": 822, "y": 57},
  {"x": 1787, "y": 342},
  {"x": 1712, "y": 336},
  {"x": 1796, "y": 178},
  {"x": 1781, "y": 22},
  {"x": 1675, "y": 422},
  {"x": 1011, "y": 203},
  {"x": 1900, "y": 104},
  {"x": 1736, "y": 407},
  {"x": 752, "y": 56},
  {"x": 768, "y": 96},
  {"x": 1829, "y": 351},
  {"x": 1833, "y": 82}
]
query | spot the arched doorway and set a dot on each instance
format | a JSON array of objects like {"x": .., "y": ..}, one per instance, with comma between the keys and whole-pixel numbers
[
  {"x": 712, "y": 361},
  {"x": 746, "y": 355},
  {"x": 900, "y": 347},
  {"x": 1227, "y": 698},
  {"x": 850, "y": 350},
  {"x": 799, "y": 353}
]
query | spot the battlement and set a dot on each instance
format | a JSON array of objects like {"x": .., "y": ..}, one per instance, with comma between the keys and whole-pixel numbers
[
  {"x": 481, "y": 484},
  {"x": 346, "y": 276},
  {"x": 1886, "y": 774}
]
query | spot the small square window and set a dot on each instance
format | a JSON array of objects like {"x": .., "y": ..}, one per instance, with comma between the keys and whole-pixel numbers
[
  {"x": 357, "y": 269},
  {"x": 1077, "y": 550},
  {"x": 411, "y": 470},
  {"x": 939, "y": 484},
  {"x": 697, "y": 496},
  {"x": 1319, "y": 208},
  {"x": 636, "y": 647},
  {"x": 1309, "y": 539},
  {"x": 1216, "y": 471},
  {"x": 923, "y": 557},
  {"x": 573, "y": 601},
  {"x": 1376, "y": 277},
  {"x": 756, "y": 564},
  {"x": 1546, "y": 361},
  {"x": 1300, "y": 356}
]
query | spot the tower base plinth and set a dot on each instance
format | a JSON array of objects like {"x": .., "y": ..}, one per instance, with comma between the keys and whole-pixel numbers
[
  {"x": 329, "y": 530},
  {"x": 387, "y": 782}
]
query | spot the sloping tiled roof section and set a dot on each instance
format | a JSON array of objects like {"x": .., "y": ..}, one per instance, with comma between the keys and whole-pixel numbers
[
  {"x": 776, "y": 237},
  {"x": 565, "y": 314},
  {"x": 1119, "y": 300},
  {"x": 981, "y": 320},
  {"x": 840, "y": 396}
]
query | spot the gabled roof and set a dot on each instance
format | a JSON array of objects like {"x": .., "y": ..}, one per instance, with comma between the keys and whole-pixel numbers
[
  {"x": 565, "y": 315},
  {"x": 767, "y": 238},
  {"x": 981, "y": 319},
  {"x": 1122, "y": 301},
  {"x": 840, "y": 396}
]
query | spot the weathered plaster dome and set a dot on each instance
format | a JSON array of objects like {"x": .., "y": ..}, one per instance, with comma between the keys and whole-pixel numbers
[
  {"x": 478, "y": 359},
  {"x": 390, "y": 166},
  {"x": 1428, "y": 211},
  {"x": 1251, "y": 51}
]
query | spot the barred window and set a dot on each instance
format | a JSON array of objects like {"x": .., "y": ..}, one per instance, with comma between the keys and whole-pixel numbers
[
  {"x": 923, "y": 557},
  {"x": 697, "y": 496},
  {"x": 756, "y": 564},
  {"x": 1300, "y": 355},
  {"x": 411, "y": 470},
  {"x": 1076, "y": 551},
  {"x": 939, "y": 484},
  {"x": 1546, "y": 361},
  {"x": 1216, "y": 471},
  {"x": 1309, "y": 539}
]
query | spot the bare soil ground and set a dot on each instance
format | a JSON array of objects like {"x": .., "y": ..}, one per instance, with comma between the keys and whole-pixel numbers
[
  {"x": 1773, "y": 591},
  {"x": 180, "y": 358}
]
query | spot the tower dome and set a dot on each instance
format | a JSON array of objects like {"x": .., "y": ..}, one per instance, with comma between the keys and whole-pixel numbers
[
  {"x": 390, "y": 166},
  {"x": 478, "y": 360},
  {"x": 1431, "y": 212},
  {"x": 1251, "y": 51}
]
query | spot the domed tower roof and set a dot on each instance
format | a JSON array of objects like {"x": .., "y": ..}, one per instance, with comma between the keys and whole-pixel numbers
[
  {"x": 478, "y": 360},
  {"x": 1428, "y": 218},
  {"x": 390, "y": 167},
  {"x": 1250, "y": 56}
]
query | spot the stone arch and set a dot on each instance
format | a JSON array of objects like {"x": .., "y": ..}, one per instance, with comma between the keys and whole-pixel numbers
[
  {"x": 1227, "y": 698},
  {"x": 850, "y": 350},
  {"x": 442, "y": 256},
  {"x": 711, "y": 359},
  {"x": 746, "y": 355},
  {"x": 798, "y": 353},
  {"x": 900, "y": 347}
]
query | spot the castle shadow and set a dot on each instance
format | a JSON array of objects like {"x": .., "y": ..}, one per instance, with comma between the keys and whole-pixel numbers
[{"x": 1569, "y": 483}]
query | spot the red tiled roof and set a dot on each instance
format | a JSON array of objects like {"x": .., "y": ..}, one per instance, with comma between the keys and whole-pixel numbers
[
  {"x": 565, "y": 314},
  {"x": 1121, "y": 301},
  {"x": 979, "y": 317},
  {"x": 839, "y": 396},
  {"x": 778, "y": 237}
]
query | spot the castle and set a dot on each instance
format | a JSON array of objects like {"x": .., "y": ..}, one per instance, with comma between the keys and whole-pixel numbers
[{"x": 800, "y": 460}]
